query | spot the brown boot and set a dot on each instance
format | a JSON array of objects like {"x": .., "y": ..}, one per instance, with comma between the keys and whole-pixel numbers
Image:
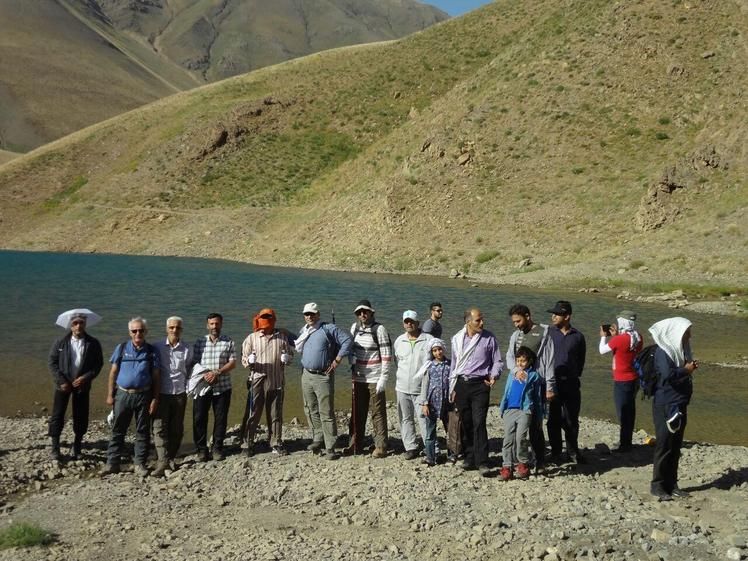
[
  {"x": 379, "y": 453},
  {"x": 161, "y": 468}
]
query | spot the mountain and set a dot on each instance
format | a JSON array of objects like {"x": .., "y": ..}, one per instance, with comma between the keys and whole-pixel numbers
[
  {"x": 65, "y": 64},
  {"x": 545, "y": 142}
]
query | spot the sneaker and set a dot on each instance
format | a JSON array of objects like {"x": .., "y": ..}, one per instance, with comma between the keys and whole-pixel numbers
[
  {"x": 161, "y": 468},
  {"x": 249, "y": 451},
  {"x": 429, "y": 462},
  {"x": 468, "y": 466},
  {"x": 203, "y": 456},
  {"x": 173, "y": 465},
  {"x": 506, "y": 473},
  {"x": 218, "y": 454},
  {"x": 410, "y": 454},
  {"x": 110, "y": 469},
  {"x": 523, "y": 471},
  {"x": 140, "y": 470},
  {"x": 331, "y": 454},
  {"x": 379, "y": 453},
  {"x": 680, "y": 493},
  {"x": 315, "y": 447},
  {"x": 75, "y": 452},
  {"x": 279, "y": 451},
  {"x": 484, "y": 470},
  {"x": 452, "y": 458},
  {"x": 54, "y": 454}
]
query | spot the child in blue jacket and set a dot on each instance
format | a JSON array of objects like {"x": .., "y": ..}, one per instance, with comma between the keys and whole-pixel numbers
[{"x": 522, "y": 398}]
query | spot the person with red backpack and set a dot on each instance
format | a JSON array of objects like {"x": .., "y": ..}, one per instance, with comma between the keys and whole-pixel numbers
[{"x": 625, "y": 342}]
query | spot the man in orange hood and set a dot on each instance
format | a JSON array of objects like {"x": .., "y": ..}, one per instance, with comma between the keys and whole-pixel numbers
[{"x": 266, "y": 352}]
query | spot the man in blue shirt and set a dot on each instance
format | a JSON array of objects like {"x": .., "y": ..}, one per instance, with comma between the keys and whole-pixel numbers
[
  {"x": 134, "y": 384},
  {"x": 322, "y": 347}
]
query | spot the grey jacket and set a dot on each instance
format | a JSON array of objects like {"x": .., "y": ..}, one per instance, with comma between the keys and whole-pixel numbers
[{"x": 545, "y": 365}]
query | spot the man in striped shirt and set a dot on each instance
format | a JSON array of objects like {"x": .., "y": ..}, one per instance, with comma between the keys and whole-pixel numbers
[
  {"x": 215, "y": 352},
  {"x": 371, "y": 358},
  {"x": 266, "y": 352}
]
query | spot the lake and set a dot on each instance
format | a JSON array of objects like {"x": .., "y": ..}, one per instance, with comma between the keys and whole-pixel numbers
[{"x": 36, "y": 287}]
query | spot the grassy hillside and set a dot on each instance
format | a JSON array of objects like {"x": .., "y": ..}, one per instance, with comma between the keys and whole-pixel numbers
[
  {"x": 538, "y": 142},
  {"x": 6, "y": 156},
  {"x": 65, "y": 64}
]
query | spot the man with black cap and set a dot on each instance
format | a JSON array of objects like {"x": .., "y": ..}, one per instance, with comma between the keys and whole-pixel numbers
[
  {"x": 371, "y": 358},
  {"x": 569, "y": 349}
]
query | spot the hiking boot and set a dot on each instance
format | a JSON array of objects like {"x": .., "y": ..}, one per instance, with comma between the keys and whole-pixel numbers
[
  {"x": 140, "y": 470},
  {"x": 203, "y": 456},
  {"x": 54, "y": 450},
  {"x": 218, "y": 454},
  {"x": 379, "y": 453},
  {"x": 506, "y": 473},
  {"x": 315, "y": 447},
  {"x": 680, "y": 493},
  {"x": 280, "y": 451},
  {"x": 161, "y": 468},
  {"x": 109, "y": 469},
  {"x": 410, "y": 454},
  {"x": 662, "y": 496},
  {"x": 331, "y": 454},
  {"x": 484, "y": 470},
  {"x": 523, "y": 471}
]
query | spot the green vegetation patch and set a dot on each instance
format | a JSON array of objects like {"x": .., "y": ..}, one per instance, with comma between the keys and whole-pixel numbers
[
  {"x": 67, "y": 194},
  {"x": 21, "y": 534},
  {"x": 486, "y": 256}
]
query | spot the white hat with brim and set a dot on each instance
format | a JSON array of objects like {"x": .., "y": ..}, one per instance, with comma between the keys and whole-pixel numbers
[{"x": 311, "y": 308}]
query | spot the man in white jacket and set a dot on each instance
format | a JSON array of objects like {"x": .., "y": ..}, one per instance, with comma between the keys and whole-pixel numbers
[{"x": 412, "y": 352}]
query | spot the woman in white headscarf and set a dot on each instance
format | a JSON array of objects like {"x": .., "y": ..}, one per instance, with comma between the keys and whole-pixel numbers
[
  {"x": 675, "y": 365},
  {"x": 625, "y": 343}
]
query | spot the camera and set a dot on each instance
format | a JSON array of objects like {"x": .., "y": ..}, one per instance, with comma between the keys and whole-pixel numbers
[{"x": 606, "y": 328}]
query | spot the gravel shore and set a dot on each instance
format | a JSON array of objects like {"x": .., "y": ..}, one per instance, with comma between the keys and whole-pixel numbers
[{"x": 303, "y": 506}]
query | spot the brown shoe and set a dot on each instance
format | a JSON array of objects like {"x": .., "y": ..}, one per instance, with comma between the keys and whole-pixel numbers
[
  {"x": 379, "y": 453},
  {"x": 161, "y": 468}
]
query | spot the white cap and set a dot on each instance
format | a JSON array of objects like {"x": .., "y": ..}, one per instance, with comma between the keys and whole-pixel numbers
[
  {"x": 311, "y": 308},
  {"x": 410, "y": 314}
]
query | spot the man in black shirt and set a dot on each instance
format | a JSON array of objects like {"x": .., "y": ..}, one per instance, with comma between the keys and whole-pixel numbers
[{"x": 569, "y": 349}]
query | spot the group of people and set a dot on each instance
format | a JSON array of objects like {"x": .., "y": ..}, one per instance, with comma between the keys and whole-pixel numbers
[{"x": 153, "y": 381}]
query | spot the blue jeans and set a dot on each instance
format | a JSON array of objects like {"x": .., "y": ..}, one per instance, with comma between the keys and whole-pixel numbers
[
  {"x": 624, "y": 396},
  {"x": 127, "y": 405}
]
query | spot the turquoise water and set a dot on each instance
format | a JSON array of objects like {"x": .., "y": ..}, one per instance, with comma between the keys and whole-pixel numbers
[{"x": 36, "y": 287}]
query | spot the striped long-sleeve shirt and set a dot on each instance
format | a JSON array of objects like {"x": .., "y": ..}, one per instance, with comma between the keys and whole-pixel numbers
[
  {"x": 268, "y": 350},
  {"x": 370, "y": 361}
]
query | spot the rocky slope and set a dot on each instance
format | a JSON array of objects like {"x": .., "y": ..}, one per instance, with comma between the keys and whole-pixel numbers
[
  {"x": 597, "y": 144},
  {"x": 303, "y": 506},
  {"x": 66, "y": 64}
]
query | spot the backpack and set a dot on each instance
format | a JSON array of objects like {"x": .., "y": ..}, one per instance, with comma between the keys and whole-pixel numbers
[
  {"x": 374, "y": 336},
  {"x": 644, "y": 364}
]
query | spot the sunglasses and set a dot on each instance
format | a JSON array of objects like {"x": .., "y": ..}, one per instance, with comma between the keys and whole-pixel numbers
[
  {"x": 267, "y": 316},
  {"x": 78, "y": 322},
  {"x": 174, "y": 327},
  {"x": 362, "y": 312},
  {"x": 308, "y": 314},
  {"x": 137, "y": 331}
]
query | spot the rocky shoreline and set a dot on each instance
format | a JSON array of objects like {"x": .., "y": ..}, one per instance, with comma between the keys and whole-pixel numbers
[{"x": 304, "y": 506}]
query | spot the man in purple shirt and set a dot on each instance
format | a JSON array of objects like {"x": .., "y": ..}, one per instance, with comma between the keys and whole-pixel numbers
[{"x": 476, "y": 365}]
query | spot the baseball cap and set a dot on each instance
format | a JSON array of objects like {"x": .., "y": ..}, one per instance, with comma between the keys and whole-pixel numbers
[
  {"x": 311, "y": 308},
  {"x": 562, "y": 308},
  {"x": 410, "y": 314}
]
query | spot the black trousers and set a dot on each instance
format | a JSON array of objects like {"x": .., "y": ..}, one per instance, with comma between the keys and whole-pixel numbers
[
  {"x": 624, "y": 396},
  {"x": 667, "y": 449},
  {"x": 472, "y": 404},
  {"x": 80, "y": 413},
  {"x": 563, "y": 413},
  {"x": 201, "y": 409},
  {"x": 537, "y": 439}
]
